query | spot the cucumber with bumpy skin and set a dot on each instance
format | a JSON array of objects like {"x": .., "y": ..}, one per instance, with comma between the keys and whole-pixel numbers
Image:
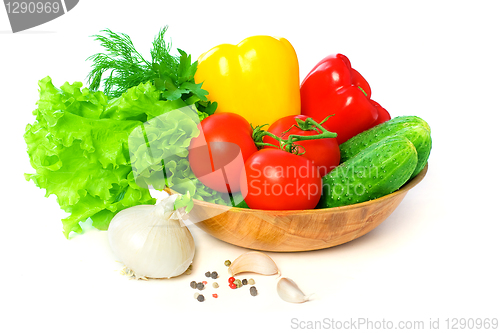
[
  {"x": 378, "y": 170},
  {"x": 411, "y": 127}
]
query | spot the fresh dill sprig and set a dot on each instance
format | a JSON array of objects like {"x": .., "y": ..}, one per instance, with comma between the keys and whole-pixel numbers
[
  {"x": 127, "y": 68},
  {"x": 161, "y": 50}
]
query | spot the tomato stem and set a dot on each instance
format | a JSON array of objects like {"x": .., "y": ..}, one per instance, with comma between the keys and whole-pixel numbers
[{"x": 289, "y": 145}]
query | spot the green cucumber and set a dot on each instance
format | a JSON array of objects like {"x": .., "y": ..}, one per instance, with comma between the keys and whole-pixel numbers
[
  {"x": 378, "y": 170},
  {"x": 411, "y": 127}
]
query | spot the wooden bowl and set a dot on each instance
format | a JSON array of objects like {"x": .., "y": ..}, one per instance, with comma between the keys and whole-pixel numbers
[{"x": 296, "y": 230}]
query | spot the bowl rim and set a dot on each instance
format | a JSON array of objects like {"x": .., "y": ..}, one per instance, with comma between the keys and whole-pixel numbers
[{"x": 405, "y": 188}]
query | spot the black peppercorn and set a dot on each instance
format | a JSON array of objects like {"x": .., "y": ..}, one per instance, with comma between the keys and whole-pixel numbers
[
  {"x": 244, "y": 282},
  {"x": 253, "y": 291},
  {"x": 193, "y": 284},
  {"x": 207, "y": 274},
  {"x": 200, "y": 286},
  {"x": 200, "y": 298},
  {"x": 214, "y": 275}
]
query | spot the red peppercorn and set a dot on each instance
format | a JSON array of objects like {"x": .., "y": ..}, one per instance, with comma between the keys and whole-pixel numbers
[
  {"x": 231, "y": 279},
  {"x": 232, "y": 286},
  {"x": 204, "y": 282},
  {"x": 215, "y": 295}
]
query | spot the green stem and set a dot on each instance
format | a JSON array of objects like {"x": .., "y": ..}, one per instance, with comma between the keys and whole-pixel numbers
[
  {"x": 363, "y": 91},
  {"x": 262, "y": 144},
  {"x": 289, "y": 144}
]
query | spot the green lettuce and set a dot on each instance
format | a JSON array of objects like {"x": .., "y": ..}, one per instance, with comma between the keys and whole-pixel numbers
[{"x": 79, "y": 149}]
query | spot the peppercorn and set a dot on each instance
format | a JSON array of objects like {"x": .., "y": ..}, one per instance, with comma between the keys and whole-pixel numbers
[
  {"x": 227, "y": 263},
  {"x": 244, "y": 282},
  {"x": 215, "y": 295},
  {"x": 237, "y": 282},
  {"x": 207, "y": 274},
  {"x": 200, "y": 286},
  {"x": 231, "y": 279},
  {"x": 253, "y": 291},
  {"x": 214, "y": 275},
  {"x": 200, "y": 298},
  {"x": 193, "y": 284},
  {"x": 204, "y": 282},
  {"x": 196, "y": 295},
  {"x": 232, "y": 286},
  {"x": 215, "y": 285},
  {"x": 251, "y": 281}
]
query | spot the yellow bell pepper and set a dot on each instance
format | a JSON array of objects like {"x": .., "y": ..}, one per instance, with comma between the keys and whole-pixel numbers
[{"x": 257, "y": 79}]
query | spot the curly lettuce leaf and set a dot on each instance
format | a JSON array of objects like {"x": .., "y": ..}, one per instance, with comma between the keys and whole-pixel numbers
[
  {"x": 80, "y": 158},
  {"x": 79, "y": 149},
  {"x": 159, "y": 148},
  {"x": 159, "y": 155}
]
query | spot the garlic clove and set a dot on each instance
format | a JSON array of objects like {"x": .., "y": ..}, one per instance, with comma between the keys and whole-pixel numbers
[
  {"x": 253, "y": 262},
  {"x": 290, "y": 292}
]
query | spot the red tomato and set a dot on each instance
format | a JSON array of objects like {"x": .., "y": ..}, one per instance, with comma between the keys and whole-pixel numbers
[
  {"x": 324, "y": 153},
  {"x": 276, "y": 180},
  {"x": 218, "y": 154}
]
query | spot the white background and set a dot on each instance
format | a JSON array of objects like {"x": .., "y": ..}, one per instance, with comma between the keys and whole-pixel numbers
[{"x": 435, "y": 257}]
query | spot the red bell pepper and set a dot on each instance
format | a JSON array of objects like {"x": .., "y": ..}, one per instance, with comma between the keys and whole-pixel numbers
[
  {"x": 333, "y": 87},
  {"x": 383, "y": 114}
]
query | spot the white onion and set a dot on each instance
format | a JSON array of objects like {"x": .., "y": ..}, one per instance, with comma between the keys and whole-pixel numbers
[{"x": 152, "y": 240}]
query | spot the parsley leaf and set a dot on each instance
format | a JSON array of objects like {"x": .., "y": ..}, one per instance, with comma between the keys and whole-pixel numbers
[{"x": 172, "y": 75}]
